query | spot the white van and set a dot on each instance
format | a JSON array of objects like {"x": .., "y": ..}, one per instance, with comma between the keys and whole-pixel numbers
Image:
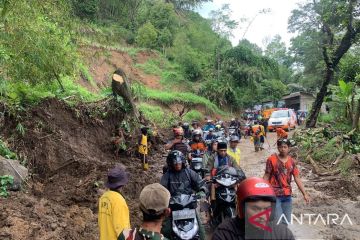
[{"x": 283, "y": 118}]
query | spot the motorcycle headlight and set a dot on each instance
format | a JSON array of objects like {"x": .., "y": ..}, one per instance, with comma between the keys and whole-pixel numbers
[{"x": 185, "y": 229}]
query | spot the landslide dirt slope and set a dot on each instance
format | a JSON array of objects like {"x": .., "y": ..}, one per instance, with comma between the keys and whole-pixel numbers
[
  {"x": 68, "y": 152},
  {"x": 103, "y": 62}
]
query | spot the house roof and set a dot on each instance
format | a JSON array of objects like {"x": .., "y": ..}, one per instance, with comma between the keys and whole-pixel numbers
[{"x": 296, "y": 94}]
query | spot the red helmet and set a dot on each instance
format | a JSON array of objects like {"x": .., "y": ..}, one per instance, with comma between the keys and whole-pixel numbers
[
  {"x": 253, "y": 188},
  {"x": 178, "y": 131}
]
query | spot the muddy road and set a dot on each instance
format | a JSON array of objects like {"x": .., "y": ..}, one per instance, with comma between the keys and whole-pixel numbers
[{"x": 318, "y": 215}]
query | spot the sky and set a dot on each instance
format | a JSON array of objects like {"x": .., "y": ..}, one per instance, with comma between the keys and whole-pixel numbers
[{"x": 265, "y": 26}]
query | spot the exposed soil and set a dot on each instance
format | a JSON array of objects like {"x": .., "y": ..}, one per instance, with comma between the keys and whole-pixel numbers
[
  {"x": 68, "y": 152},
  {"x": 103, "y": 62}
]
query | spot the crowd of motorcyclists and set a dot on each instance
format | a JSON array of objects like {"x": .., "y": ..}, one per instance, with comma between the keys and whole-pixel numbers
[{"x": 203, "y": 165}]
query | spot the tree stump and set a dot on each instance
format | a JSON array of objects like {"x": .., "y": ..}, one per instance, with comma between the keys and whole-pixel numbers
[{"x": 120, "y": 87}]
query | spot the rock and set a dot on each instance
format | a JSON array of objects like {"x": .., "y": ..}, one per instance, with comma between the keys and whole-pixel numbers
[
  {"x": 13, "y": 168},
  {"x": 53, "y": 226}
]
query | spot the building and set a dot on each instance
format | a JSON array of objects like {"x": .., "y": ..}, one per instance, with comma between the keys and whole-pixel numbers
[{"x": 300, "y": 101}]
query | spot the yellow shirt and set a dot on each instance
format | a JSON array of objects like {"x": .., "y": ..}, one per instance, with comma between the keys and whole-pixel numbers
[
  {"x": 235, "y": 155},
  {"x": 143, "y": 147},
  {"x": 113, "y": 215}
]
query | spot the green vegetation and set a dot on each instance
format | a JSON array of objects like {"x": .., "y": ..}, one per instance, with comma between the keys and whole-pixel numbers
[
  {"x": 184, "y": 98},
  {"x": 6, "y": 152},
  {"x": 157, "y": 115},
  {"x": 5, "y": 182},
  {"x": 193, "y": 115}
]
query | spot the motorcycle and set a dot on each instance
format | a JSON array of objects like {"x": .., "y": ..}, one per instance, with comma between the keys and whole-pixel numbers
[
  {"x": 233, "y": 131},
  {"x": 184, "y": 221},
  {"x": 247, "y": 130},
  {"x": 225, "y": 182},
  {"x": 197, "y": 163}
]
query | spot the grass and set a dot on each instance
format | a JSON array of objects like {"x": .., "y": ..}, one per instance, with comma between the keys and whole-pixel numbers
[
  {"x": 86, "y": 74},
  {"x": 22, "y": 93},
  {"x": 151, "y": 66},
  {"x": 184, "y": 98},
  {"x": 193, "y": 115},
  {"x": 156, "y": 115},
  {"x": 170, "y": 73}
]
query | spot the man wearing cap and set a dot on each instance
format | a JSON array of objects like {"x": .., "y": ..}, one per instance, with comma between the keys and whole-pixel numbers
[
  {"x": 154, "y": 205},
  {"x": 233, "y": 150},
  {"x": 113, "y": 215}
]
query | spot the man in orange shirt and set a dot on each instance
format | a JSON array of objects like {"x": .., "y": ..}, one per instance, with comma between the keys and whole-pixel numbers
[
  {"x": 281, "y": 133},
  {"x": 280, "y": 168}
]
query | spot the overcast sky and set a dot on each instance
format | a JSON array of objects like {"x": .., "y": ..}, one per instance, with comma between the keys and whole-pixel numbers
[{"x": 265, "y": 26}]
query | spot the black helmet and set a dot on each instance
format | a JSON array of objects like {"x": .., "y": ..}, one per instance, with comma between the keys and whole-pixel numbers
[{"x": 175, "y": 157}]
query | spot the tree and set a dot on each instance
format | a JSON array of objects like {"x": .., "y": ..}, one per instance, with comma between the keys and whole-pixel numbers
[
  {"x": 273, "y": 90},
  {"x": 147, "y": 36},
  {"x": 86, "y": 8},
  {"x": 37, "y": 48},
  {"x": 276, "y": 49},
  {"x": 221, "y": 21},
  {"x": 223, "y": 25},
  {"x": 187, "y": 4},
  {"x": 338, "y": 25}
]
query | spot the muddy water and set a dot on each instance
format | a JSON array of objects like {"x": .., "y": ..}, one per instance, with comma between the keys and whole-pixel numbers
[{"x": 313, "y": 226}]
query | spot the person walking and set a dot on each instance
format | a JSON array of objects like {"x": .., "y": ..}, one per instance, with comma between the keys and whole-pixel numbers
[
  {"x": 280, "y": 168},
  {"x": 154, "y": 204},
  {"x": 113, "y": 215},
  {"x": 144, "y": 147}
]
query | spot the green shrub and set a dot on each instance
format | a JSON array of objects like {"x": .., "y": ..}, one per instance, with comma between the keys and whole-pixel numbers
[
  {"x": 193, "y": 115},
  {"x": 326, "y": 118},
  {"x": 5, "y": 182},
  {"x": 22, "y": 93},
  {"x": 345, "y": 165},
  {"x": 156, "y": 115},
  {"x": 329, "y": 152},
  {"x": 147, "y": 36},
  {"x": 6, "y": 152}
]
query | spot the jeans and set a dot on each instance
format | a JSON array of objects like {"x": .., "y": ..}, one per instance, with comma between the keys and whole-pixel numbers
[{"x": 283, "y": 209}]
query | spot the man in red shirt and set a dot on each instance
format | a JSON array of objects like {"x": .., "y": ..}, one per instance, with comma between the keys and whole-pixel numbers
[
  {"x": 280, "y": 168},
  {"x": 281, "y": 133}
]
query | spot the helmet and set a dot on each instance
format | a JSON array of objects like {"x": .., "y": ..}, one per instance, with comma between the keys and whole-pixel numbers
[
  {"x": 185, "y": 124},
  {"x": 234, "y": 139},
  {"x": 253, "y": 188},
  {"x": 175, "y": 157},
  {"x": 233, "y": 119},
  {"x": 211, "y": 129},
  {"x": 197, "y": 132},
  {"x": 218, "y": 127},
  {"x": 178, "y": 131},
  {"x": 209, "y": 121}
]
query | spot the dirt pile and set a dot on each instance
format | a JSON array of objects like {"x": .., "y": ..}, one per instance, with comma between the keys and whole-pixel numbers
[
  {"x": 68, "y": 153},
  {"x": 104, "y": 62}
]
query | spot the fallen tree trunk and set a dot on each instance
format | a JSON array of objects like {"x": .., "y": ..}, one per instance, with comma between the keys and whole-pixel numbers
[
  {"x": 317, "y": 169},
  {"x": 120, "y": 87}
]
